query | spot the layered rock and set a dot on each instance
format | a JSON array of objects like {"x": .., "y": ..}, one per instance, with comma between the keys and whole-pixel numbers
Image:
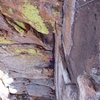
[{"x": 26, "y": 48}]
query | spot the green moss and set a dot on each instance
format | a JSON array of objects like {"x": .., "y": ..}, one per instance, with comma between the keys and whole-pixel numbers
[
  {"x": 4, "y": 41},
  {"x": 20, "y": 30},
  {"x": 29, "y": 51},
  {"x": 31, "y": 13}
]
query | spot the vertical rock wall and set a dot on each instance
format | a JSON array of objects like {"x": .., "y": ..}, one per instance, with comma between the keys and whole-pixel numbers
[{"x": 26, "y": 48}]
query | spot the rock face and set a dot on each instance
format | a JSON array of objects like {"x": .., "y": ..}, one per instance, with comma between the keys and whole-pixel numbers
[
  {"x": 79, "y": 51},
  {"x": 26, "y": 48},
  {"x": 86, "y": 39},
  {"x": 49, "y": 50},
  {"x": 87, "y": 88}
]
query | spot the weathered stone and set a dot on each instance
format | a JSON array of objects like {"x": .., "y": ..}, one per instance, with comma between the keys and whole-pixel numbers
[
  {"x": 46, "y": 82},
  {"x": 35, "y": 35},
  {"x": 23, "y": 61},
  {"x": 86, "y": 88},
  {"x": 26, "y": 50},
  {"x": 84, "y": 54},
  {"x": 95, "y": 73},
  {"x": 19, "y": 87},
  {"x": 42, "y": 17},
  {"x": 38, "y": 90},
  {"x": 20, "y": 84},
  {"x": 70, "y": 92}
]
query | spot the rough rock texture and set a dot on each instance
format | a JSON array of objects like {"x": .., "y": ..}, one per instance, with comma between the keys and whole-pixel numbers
[
  {"x": 87, "y": 88},
  {"x": 84, "y": 54},
  {"x": 80, "y": 51},
  {"x": 38, "y": 35},
  {"x": 26, "y": 48}
]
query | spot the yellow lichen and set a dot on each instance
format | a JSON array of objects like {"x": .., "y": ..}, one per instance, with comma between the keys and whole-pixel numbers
[
  {"x": 4, "y": 41},
  {"x": 18, "y": 27},
  {"x": 0, "y": 8},
  {"x": 55, "y": 13},
  {"x": 20, "y": 24},
  {"x": 29, "y": 51},
  {"x": 31, "y": 13},
  {"x": 10, "y": 11},
  {"x": 5, "y": 13},
  {"x": 53, "y": 25}
]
